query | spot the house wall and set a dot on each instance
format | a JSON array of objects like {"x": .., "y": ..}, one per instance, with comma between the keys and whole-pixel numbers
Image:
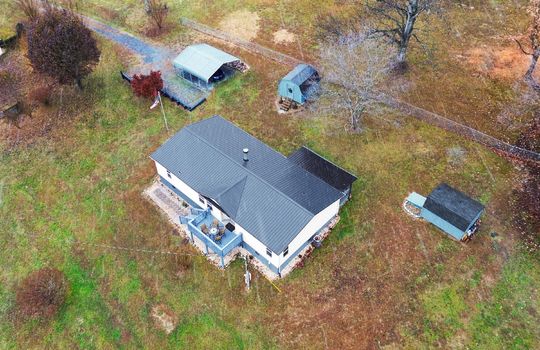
[
  {"x": 442, "y": 224},
  {"x": 180, "y": 185},
  {"x": 313, "y": 227}
]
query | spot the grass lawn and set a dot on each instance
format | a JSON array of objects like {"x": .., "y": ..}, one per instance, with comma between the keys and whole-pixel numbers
[{"x": 380, "y": 278}]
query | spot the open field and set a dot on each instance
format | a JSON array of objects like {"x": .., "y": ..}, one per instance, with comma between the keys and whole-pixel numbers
[{"x": 381, "y": 280}]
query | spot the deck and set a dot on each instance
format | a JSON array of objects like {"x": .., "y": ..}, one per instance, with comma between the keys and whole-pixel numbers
[{"x": 229, "y": 241}]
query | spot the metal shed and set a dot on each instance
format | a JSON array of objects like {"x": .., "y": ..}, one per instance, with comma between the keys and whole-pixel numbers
[
  {"x": 299, "y": 84},
  {"x": 450, "y": 210},
  {"x": 204, "y": 65}
]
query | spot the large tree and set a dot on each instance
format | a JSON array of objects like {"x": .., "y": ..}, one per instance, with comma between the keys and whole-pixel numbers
[
  {"x": 396, "y": 20},
  {"x": 532, "y": 46},
  {"x": 60, "y": 46},
  {"x": 353, "y": 70}
]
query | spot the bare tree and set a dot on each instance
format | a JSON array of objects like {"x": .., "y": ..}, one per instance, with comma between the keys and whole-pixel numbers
[
  {"x": 397, "y": 19},
  {"x": 157, "y": 10},
  {"x": 533, "y": 44},
  {"x": 353, "y": 69},
  {"x": 30, "y": 8}
]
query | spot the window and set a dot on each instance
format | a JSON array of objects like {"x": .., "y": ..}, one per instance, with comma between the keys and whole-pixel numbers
[
  {"x": 290, "y": 90},
  {"x": 286, "y": 251},
  {"x": 268, "y": 252},
  {"x": 201, "y": 199},
  {"x": 169, "y": 174}
]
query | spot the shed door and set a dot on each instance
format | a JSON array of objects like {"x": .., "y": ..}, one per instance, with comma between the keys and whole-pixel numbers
[{"x": 290, "y": 91}]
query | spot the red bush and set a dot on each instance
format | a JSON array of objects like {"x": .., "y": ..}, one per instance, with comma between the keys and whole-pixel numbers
[
  {"x": 42, "y": 293},
  {"x": 147, "y": 85}
]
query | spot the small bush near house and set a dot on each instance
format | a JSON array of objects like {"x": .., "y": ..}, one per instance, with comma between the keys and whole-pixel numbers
[
  {"x": 42, "y": 293},
  {"x": 147, "y": 85},
  {"x": 41, "y": 95}
]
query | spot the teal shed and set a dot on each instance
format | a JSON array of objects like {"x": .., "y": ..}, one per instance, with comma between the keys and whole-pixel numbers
[
  {"x": 450, "y": 210},
  {"x": 299, "y": 84}
]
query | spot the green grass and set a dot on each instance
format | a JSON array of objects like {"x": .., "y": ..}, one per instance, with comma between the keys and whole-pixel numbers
[{"x": 510, "y": 319}]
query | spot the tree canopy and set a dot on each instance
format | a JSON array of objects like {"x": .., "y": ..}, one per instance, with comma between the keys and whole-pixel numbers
[{"x": 60, "y": 46}]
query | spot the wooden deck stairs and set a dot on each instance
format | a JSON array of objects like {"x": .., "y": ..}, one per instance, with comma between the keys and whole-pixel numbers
[{"x": 285, "y": 104}]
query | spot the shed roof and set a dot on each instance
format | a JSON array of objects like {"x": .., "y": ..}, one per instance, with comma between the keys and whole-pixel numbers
[
  {"x": 270, "y": 196},
  {"x": 300, "y": 74},
  {"x": 453, "y": 206},
  {"x": 202, "y": 60},
  {"x": 322, "y": 168}
]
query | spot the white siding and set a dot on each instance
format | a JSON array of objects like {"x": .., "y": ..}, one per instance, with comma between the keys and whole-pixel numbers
[
  {"x": 311, "y": 228},
  {"x": 180, "y": 185},
  {"x": 254, "y": 243}
]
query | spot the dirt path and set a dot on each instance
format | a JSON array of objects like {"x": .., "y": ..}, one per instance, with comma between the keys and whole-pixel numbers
[{"x": 150, "y": 53}]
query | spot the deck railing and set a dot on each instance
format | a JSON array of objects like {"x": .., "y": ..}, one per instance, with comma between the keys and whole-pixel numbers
[{"x": 220, "y": 249}]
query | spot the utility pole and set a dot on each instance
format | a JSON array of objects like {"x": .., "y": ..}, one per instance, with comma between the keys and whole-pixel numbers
[
  {"x": 247, "y": 275},
  {"x": 163, "y": 111}
]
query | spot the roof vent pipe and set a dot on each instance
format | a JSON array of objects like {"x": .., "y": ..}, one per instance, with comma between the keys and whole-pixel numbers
[{"x": 246, "y": 150}]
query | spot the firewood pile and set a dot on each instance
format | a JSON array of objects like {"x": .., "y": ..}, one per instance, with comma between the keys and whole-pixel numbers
[{"x": 239, "y": 66}]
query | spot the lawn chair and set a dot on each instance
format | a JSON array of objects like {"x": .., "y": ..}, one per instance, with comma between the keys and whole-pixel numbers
[
  {"x": 218, "y": 238},
  {"x": 215, "y": 223},
  {"x": 204, "y": 229},
  {"x": 221, "y": 230}
]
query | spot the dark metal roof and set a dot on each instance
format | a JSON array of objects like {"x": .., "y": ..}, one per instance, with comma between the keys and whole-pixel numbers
[
  {"x": 453, "y": 206},
  {"x": 300, "y": 74},
  {"x": 323, "y": 168},
  {"x": 269, "y": 196}
]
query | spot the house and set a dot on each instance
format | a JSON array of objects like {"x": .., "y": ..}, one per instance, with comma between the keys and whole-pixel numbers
[
  {"x": 299, "y": 84},
  {"x": 246, "y": 195},
  {"x": 204, "y": 65},
  {"x": 450, "y": 210}
]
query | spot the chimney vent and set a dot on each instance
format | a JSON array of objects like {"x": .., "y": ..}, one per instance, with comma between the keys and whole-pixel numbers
[{"x": 246, "y": 150}]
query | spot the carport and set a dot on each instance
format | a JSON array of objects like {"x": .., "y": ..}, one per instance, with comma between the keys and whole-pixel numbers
[{"x": 204, "y": 65}]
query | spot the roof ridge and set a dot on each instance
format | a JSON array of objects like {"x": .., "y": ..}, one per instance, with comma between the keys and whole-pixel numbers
[
  {"x": 329, "y": 161},
  {"x": 243, "y": 181},
  {"x": 249, "y": 170}
]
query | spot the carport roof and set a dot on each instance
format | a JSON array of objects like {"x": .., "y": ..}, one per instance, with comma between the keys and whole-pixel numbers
[{"x": 202, "y": 60}]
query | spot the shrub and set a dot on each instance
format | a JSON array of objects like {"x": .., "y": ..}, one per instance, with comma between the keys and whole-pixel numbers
[
  {"x": 41, "y": 95},
  {"x": 42, "y": 293},
  {"x": 158, "y": 11},
  {"x": 30, "y": 8},
  {"x": 147, "y": 85}
]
